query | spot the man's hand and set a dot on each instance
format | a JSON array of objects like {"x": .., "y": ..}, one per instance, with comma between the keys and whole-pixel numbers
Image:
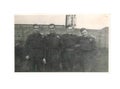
[
  {"x": 27, "y": 57},
  {"x": 44, "y": 60}
]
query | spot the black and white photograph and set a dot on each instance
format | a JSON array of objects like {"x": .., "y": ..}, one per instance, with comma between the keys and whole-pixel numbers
[{"x": 61, "y": 43}]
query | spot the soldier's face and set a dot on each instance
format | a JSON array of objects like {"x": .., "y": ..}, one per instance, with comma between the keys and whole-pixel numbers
[
  {"x": 70, "y": 30},
  {"x": 52, "y": 29},
  {"x": 84, "y": 33},
  {"x": 36, "y": 29}
]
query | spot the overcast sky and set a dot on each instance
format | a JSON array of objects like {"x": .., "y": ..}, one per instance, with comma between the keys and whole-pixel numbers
[{"x": 91, "y": 21}]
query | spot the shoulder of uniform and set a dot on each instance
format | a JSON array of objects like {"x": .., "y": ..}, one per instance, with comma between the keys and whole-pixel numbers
[{"x": 92, "y": 36}]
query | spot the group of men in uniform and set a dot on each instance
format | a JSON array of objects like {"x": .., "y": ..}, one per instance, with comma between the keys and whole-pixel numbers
[{"x": 60, "y": 53}]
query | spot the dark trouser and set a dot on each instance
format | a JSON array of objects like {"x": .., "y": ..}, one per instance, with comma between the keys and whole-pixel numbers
[
  {"x": 71, "y": 60},
  {"x": 78, "y": 64},
  {"x": 37, "y": 64},
  {"x": 53, "y": 60},
  {"x": 88, "y": 58},
  {"x": 36, "y": 58},
  {"x": 68, "y": 60}
]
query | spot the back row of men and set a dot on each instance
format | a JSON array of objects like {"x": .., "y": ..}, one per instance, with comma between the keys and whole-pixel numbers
[{"x": 53, "y": 53}]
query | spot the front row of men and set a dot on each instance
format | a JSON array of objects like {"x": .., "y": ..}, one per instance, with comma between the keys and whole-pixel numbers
[{"x": 53, "y": 53}]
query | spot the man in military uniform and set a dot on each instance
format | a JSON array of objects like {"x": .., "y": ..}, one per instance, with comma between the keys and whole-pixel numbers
[
  {"x": 87, "y": 49},
  {"x": 68, "y": 52},
  {"x": 52, "y": 41},
  {"x": 35, "y": 49}
]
